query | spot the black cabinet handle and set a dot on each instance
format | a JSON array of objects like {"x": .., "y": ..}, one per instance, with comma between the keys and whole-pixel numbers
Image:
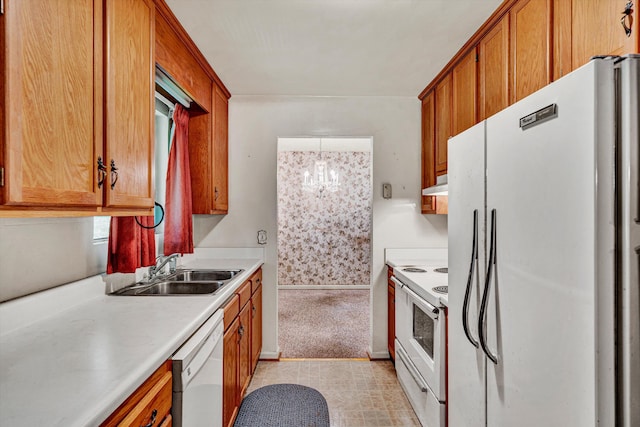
[
  {"x": 154, "y": 414},
  {"x": 102, "y": 172},
  {"x": 216, "y": 194},
  {"x": 626, "y": 16},
  {"x": 114, "y": 174}
]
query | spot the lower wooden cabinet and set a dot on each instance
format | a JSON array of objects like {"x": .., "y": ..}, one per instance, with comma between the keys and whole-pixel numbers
[
  {"x": 242, "y": 344},
  {"x": 391, "y": 315},
  {"x": 150, "y": 404},
  {"x": 230, "y": 401}
]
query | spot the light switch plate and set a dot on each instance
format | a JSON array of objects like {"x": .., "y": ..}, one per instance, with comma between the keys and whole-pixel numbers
[{"x": 386, "y": 191}]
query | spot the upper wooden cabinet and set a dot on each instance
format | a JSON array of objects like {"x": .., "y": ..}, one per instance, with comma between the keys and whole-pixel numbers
[
  {"x": 179, "y": 57},
  {"x": 464, "y": 97},
  {"x": 129, "y": 102},
  {"x": 428, "y": 151},
  {"x": 220, "y": 161},
  {"x": 52, "y": 90},
  {"x": 586, "y": 28},
  {"x": 77, "y": 88},
  {"x": 493, "y": 70},
  {"x": 442, "y": 122},
  {"x": 530, "y": 40}
]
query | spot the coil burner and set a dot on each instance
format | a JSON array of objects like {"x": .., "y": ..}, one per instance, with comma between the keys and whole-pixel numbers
[
  {"x": 414, "y": 270},
  {"x": 441, "y": 289},
  {"x": 442, "y": 270}
]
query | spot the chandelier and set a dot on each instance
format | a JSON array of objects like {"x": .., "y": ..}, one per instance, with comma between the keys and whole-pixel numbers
[{"x": 323, "y": 179}]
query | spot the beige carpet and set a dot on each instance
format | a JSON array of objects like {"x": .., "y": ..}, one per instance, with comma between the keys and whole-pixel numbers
[{"x": 323, "y": 323}]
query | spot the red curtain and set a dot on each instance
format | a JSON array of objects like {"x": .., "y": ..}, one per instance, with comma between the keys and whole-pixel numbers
[
  {"x": 178, "y": 227},
  {"x": 130, "y": 246}
]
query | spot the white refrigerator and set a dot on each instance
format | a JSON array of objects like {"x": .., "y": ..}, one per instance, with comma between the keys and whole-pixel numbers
[{"x": 544, "y": 251}]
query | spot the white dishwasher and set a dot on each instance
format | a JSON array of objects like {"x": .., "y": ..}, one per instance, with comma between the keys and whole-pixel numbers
[{"x": 197, "y": 377}]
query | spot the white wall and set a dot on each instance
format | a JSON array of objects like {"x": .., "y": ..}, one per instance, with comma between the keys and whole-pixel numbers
[
  {"x": 40, "y": 253},
  {"x": 255, "y": 123}
]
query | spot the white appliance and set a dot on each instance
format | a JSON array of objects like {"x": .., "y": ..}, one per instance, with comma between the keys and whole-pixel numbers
[
  {"x": 544, "y": 246},
  {"x": 421, "y": 339},
  {"x": 197, "y": 377}
]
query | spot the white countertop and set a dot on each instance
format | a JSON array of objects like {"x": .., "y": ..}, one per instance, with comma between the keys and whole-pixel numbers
[{"x": 75, "y": 367}]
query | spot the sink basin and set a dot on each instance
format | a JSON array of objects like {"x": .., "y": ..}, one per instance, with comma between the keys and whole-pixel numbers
[
  {"x": 182, "y": 282},
  {"x": 203, "y": 275},
  {"x": 182, "y": 288}
]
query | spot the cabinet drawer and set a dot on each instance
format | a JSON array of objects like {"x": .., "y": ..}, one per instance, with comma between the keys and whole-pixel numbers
[
  {"x": 244, "y": 292},
  {"x": 154, "y": 393},
  {"x": 256, "y": 281},
  {"x": 231, "y": 310},
  {"x": 153, "y": 407}
]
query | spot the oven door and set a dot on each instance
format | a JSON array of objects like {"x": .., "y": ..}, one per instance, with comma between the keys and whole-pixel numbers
[{"x": 420, "y": 328}]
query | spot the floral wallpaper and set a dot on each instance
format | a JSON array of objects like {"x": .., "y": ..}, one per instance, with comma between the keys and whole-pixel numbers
[{"x": 324, "y": 237}]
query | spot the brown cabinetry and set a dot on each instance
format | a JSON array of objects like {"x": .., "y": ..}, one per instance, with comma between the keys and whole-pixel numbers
[
  {"x": 464, "y": 104},
  {"x": 522, "y": 47},
  {"x": 586, "y": 28},
  {"x": 150, "y": 404},
  {"x": 230, "y": 380},
  {"x": 256, "y": 319},
  {"x": 220, "y": 202},
  {"x": 530, "y": 41},
  {"x": 493, "y": 70},
  {"x": 391, "y": 314},
  {"x": 78, "y": 91},
  {"x": 129, "y": 102},
  {"x": 242, "y": 343},
  {"x": 442, "y": 123},
  {"x": 179, "y": 57}
]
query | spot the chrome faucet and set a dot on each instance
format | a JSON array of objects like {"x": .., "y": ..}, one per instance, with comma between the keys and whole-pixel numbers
[{"x": 161, "y": 261}]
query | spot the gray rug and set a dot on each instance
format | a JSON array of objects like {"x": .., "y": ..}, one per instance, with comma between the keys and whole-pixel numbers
[
  {"x": 283, "y": 405},
  {"x": 323, "y": 323}
]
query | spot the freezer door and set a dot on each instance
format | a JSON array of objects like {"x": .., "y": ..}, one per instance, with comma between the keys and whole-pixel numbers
[
  {"x": 466, "y": 363},
  {"x": 550, "y": 313}
]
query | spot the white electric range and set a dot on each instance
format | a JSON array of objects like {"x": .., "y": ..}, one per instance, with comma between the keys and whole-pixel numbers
[{"x": 421, "y": 325}]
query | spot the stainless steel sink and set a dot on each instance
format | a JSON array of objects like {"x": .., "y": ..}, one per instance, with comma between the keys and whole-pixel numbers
[
  {"x": 182, "y": 282},
  {"x": 182, "y": 288},
  {"x": 203, "y": 275}
]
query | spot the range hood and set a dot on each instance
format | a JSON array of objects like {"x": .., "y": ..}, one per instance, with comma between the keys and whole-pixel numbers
[{"x": 440, "y": 189}]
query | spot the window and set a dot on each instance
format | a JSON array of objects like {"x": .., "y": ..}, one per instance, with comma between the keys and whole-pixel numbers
[{"x": 101, "y": 227}]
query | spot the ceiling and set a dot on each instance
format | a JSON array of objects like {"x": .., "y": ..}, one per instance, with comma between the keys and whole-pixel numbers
[{"x": 330, "y": 47}]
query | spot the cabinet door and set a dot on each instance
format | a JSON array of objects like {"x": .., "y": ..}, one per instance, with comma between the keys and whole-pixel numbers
[
  {"x": 230, "y": 395},
  {"x": 493, "y": 69},
  {"x": 530, "y": 40},
  {"x": 256, "y": 327},
  {"x": 391, "y": 319},
  {"x": 443, "y": 123},
  {"x": 464, "y": 82},
  {"x": 428, "y": 152},
  {"x": 129, "y": 102},
  {"x": 595, "y": 28},
  {"x": 245, "y": 348},
  {"x": 220, "y": 153},
  {"x": 51, "y": 132}
]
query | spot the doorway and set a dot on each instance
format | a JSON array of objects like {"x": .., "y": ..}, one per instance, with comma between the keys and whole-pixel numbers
[{"x": 324, "y": 246}]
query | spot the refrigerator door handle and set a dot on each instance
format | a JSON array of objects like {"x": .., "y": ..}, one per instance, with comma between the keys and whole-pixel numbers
[
  {"x": 487, "y": 285},
  {"x": 467, "y": 292}
]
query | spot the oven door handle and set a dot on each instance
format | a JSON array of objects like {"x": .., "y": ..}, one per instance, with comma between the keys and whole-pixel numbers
[
  {"x": 485, "y": 296},
  {"x": 404, "y": 358},
  {"x": 467, "y": 292},
  {"x": 397, "y": 282},
  {"x": 433, "y": 310}
]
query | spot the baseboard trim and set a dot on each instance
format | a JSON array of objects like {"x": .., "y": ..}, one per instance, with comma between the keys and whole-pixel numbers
[
  {"x": 324, "y": 287},
  {"x": 378, "y": 355},
  {"x": 270, "y": 355}
]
